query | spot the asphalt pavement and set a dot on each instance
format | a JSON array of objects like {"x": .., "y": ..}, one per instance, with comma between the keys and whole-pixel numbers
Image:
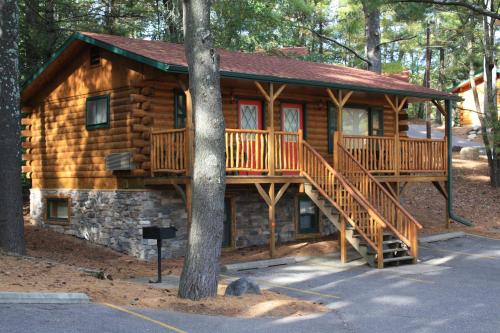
[{"x": 455, "y": 288}]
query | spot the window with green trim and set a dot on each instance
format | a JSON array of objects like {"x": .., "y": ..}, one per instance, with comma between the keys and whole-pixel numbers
[
  {"x": 308, "y": 216},
  {"x": 179, "y": 109},
  {"x": 97, "y": 112},
  {"x": 356, "y": 121},
  {"x": 376, "y": 121},
  {"x": 58, "y": 210}
]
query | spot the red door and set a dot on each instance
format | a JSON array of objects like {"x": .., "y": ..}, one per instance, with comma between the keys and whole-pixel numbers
[
  {"x": 250, "y": 118},
  {"x": 291, "y": 121}
]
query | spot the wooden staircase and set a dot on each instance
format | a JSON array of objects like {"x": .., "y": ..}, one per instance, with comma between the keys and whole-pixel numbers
[{"x": 365, "y": 213}]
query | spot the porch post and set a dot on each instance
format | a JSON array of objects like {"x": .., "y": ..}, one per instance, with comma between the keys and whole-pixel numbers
[
  {"x": 342, "y": 240},
  {"x": 396, "y": 145},
  {"x": 272, "y": 164},
  {"x": 339, "y": 104},
  {"x": 270, "y": 198}
]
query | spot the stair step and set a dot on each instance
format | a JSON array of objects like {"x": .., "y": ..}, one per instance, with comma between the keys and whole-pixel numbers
[
  {"x": 396, "y": 249},
  {"x": 395, "y": 259},
  {"x": 393, "y": 241}
]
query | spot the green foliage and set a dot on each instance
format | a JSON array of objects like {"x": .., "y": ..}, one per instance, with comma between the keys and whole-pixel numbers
[{"x": 267, "y": 25}]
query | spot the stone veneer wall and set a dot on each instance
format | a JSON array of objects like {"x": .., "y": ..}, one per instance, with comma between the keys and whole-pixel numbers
[
  {"x": 252, "y": 226},
  {"x": 116, "y": 218}
]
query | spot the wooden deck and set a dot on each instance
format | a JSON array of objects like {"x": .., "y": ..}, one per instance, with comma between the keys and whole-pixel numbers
[
  {"x": 249, "y": 154},
  {"x": 265, "y": 158}
]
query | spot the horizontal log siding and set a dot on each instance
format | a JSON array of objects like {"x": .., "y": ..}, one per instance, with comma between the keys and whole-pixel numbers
[{"x": 59, "y": 151}]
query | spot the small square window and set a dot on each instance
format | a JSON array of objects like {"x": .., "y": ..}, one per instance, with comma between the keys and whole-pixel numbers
[
  {"x": 58, "y": 210},
  {"x": 95, "y": 56},
  {"x": 179, "y": 109},
  {"x": 308, "y": 216},
  {"x": 97, "y": 112}
]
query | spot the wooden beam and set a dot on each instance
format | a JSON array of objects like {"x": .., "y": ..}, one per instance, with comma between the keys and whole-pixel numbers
[
  {"x": 167, "y": 180},
  {"x": 440, "y": 107},
  {"x": 332, "y": 96},
  {"x": 272, "y": 223},
  {"x": 278, "y": 93},
  {"x": 281, "y": 192},
  {"x": 346, "y": 98},
  {"x": 441, "y": 189},
  {"x": 181, "y": 192},
  {"x": 342, "y": 240},
  {"x": 264, "y": 179},
  {"x": 411, "y": 178},
  {"x": 264, "y": 195},
  {"x": 263, "y": 91},
  {"x": 388, "y": 99}
]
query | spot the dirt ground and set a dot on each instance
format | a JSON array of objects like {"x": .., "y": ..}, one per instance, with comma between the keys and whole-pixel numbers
[
  {"x": 473, "y": 199},
  {"x": 53, "y": 263},
  {"x": 49, "y": 245}
]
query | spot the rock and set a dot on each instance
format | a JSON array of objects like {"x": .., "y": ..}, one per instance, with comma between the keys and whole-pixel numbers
[
  {"x": 469, "y": 153},
  {"x": 242, "y": 286},
  {"x": 472, "y": 136}
]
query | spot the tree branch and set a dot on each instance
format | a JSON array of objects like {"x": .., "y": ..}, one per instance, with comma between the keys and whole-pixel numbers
[
  {"x": 397, "y": 40},
  {"x": 464, "y": 4},
  {"x": 339, "y": 44}
]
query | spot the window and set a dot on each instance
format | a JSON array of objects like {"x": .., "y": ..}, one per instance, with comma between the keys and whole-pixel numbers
[
  {"x": 308, "y": 216},
  {"x": 355, "y": 121},
  {"x": 377, "y": 121},
  {"x": 58, "y": 210},
  {"x": 250, "y": 115},
  {"x": 179, "y": 109},
  {"x": 95, "y": 56},
  {"x": 97, "y": 112}
]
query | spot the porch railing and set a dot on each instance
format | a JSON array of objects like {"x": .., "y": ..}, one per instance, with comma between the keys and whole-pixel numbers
[
  {"x": 248, "y": 152},
  {"x": 388, "y": 155},
  {"x": 168, "y": 150}
]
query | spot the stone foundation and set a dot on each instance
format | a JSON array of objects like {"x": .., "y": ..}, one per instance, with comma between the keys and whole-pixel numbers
[{"x": 116, "y": 218}]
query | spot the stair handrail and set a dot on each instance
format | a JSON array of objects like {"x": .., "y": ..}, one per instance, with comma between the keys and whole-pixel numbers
[
  {"x": 398, "y": 208},
  {"x": 379, "y": 220}
]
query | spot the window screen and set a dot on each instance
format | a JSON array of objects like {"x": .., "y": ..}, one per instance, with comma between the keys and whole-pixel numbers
[
  {"x": 58, "y": 209},
  {"x": 97, "y": 112},
  {"x": 308, "y": 216},
  {"x": 355, "y": 121},
  {"x": 179, "y": 109}
]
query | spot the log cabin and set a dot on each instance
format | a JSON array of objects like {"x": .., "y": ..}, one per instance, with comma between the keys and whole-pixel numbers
[
  {"x": 466, "y": 109},
  {"x": 311, "y": 149}
]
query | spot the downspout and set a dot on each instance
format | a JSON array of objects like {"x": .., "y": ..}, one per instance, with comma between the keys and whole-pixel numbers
[{"x": 451, "y": 214}]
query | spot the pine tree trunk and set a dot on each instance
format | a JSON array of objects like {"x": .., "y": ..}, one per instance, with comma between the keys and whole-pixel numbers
[
  {"x": 372, "y": 36},
  {"x": 11, "y": 204},
  {"x": 201, "y": 264},
  {"x": 442, "y": 84},
  {"x": 490, "y": 95}
]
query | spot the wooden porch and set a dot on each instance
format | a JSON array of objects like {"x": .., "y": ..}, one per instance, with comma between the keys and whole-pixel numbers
[
  {"x": 250, "y": 154},
  {"x": 359, "y": 182}
]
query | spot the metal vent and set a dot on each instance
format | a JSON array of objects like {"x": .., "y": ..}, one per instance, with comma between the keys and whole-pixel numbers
[{"x": 119, "y": 161}]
